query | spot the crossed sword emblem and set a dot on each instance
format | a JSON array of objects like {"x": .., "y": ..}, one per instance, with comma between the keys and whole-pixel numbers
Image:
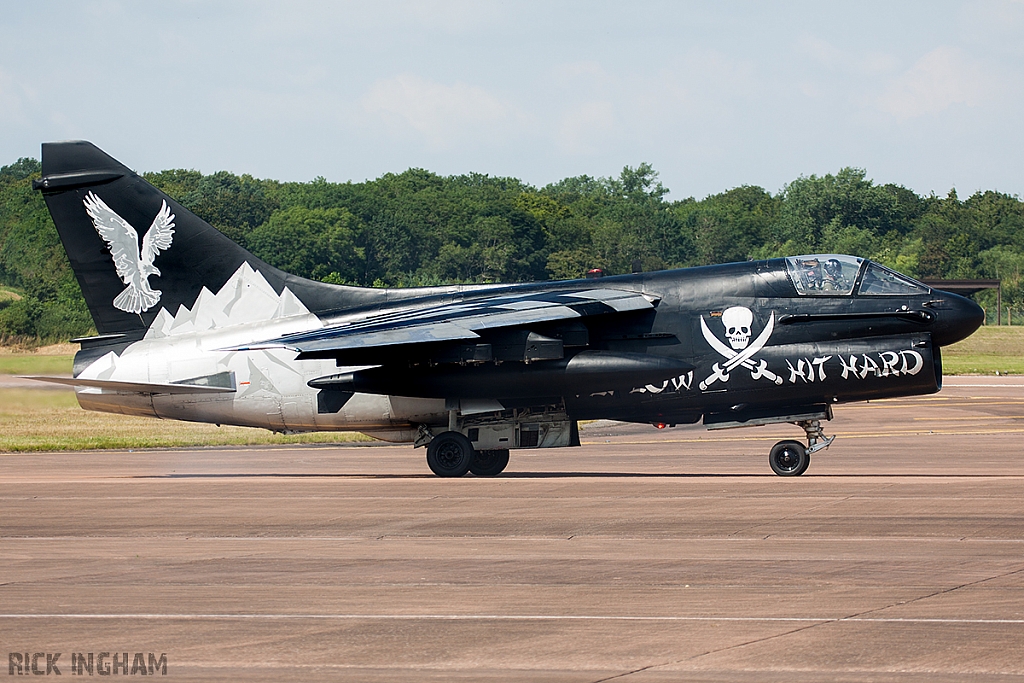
[{"x": 737, "y": 358}]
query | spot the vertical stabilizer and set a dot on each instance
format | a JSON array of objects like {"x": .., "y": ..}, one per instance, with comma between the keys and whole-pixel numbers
[{"x": 136, "y": 251}]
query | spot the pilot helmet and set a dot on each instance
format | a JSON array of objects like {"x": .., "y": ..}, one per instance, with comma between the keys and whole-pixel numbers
[{"x": 834, "y": 268}]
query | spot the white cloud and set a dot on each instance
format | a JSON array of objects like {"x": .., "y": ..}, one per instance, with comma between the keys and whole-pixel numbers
[
  {"x": 938, "y": 80},
  {"x": 439, "y": 114},
  {"x": 856, "y": 62},
  {"x": 820, "y": 50},
  {"x": 582, "y": 127}
]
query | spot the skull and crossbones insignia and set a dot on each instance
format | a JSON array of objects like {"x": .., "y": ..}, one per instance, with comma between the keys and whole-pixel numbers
[
  {"x": 737, "y": 321},
  {"x": 740, "y": 350}
]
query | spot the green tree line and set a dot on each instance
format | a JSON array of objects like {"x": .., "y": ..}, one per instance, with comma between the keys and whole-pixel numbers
[{"x": 418, "y": 228}]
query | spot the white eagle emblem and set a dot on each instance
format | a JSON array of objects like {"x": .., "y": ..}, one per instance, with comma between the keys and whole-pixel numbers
[{"x": 133, "y": 267}]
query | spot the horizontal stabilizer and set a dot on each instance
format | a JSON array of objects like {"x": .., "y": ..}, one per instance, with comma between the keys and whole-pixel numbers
[{"x": 134, "y": 387}]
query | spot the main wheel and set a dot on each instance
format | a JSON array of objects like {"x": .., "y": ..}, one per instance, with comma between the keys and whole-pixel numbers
[
  {"x": 789, "y": 459},
  {"x": 449, "y": 454},
  {"x": 489, "y": 463}
]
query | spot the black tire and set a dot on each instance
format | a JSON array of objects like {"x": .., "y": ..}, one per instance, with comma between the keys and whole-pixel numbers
[
  {"x": 449, "y": 454},
  {"x": 489, "y": 463},
  {"x": 789, "y": 459}
]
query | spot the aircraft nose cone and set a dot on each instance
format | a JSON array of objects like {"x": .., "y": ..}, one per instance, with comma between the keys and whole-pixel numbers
[{"x": 957, "y": 317}]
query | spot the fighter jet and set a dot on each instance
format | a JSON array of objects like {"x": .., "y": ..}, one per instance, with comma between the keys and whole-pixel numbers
[{"x": 191, "y": 326}]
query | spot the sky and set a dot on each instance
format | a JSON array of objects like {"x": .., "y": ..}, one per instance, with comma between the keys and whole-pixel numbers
[{"x": 714, "y": 95}]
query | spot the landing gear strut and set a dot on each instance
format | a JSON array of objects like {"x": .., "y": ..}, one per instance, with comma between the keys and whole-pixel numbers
[
  {"x": 791, "y": 458},
  {"x": 816, "y": 439}
]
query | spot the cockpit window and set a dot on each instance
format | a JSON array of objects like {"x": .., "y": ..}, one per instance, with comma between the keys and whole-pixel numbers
[
  {"x": 824, "y": 274},
  {"x": 879, "y": 280}
]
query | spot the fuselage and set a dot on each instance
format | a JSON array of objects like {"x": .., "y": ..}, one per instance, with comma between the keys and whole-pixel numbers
[{"x": 747, "y": 337}]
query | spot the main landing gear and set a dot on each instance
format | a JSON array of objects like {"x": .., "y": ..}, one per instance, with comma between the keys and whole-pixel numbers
[
  {"x": 791, "y": 458},
  {"x": 489, "y": 463},
  {"x": 450, "y": 454}
]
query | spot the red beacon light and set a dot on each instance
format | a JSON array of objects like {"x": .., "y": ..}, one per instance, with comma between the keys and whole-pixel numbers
[{"x": 660, "y": 425}]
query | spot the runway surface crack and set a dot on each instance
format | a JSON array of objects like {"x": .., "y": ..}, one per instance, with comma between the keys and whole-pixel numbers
[
  {"x": 721, "y": 649},
  {"x": 630, "y": 673},
  {"x": 937, "y": 593},
  {"x": 792, "y": 515},
  {"x": 823, "y": 622}
]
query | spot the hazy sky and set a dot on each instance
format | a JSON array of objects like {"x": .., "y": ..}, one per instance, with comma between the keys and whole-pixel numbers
[{"x": 713, "y": 94}]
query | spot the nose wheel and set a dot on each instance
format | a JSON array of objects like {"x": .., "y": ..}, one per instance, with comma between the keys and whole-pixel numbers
[{"x": 791, "y": 458}]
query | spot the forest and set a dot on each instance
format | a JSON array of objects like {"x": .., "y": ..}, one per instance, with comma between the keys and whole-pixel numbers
[{"x": 419, "y": 228}]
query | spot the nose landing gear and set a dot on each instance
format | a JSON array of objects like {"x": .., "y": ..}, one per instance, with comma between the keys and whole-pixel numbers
[{"x": 791, "y": 458}]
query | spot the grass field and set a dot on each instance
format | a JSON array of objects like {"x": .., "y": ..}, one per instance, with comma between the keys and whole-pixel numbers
[
  {"x": 990, "y": 350},
  {"x": 47, "y": 360},
  {"x": 49, "y": 420},
  {"x": 32, "y": 364}
]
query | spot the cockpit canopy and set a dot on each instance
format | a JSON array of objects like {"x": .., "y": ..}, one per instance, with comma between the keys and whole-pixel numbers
[
  {"x": 837, "y": 275},
  {"x": 824, "y": 274}
]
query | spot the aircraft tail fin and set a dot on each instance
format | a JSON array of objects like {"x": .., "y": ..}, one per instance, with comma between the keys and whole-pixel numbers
[{"x": 136, "y": 251}]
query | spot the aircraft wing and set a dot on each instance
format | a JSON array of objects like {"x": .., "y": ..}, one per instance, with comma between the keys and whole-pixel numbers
[{"x": 458, "y": 321}]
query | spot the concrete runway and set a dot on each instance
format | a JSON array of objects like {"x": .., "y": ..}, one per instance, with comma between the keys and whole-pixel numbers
[{"x": 643, "y": 556}]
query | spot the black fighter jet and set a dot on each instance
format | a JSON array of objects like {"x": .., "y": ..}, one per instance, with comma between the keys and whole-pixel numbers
[{"x": 193, "y": 327}]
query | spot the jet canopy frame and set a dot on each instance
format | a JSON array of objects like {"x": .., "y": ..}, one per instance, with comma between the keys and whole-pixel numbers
[{"x": 840, "y": 275}]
